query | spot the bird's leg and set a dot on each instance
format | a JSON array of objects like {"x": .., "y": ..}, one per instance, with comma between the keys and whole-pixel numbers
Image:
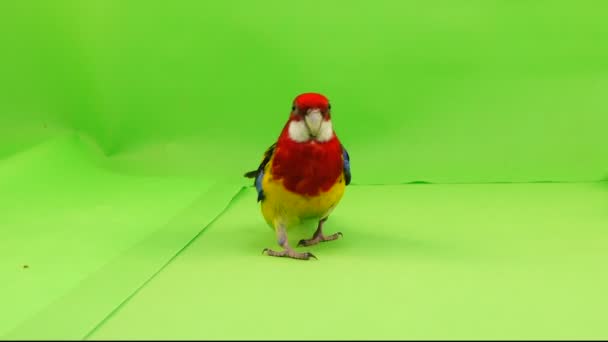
[
  {"x": 287, "y": 250},
  {"x": 318, "y": 236}
]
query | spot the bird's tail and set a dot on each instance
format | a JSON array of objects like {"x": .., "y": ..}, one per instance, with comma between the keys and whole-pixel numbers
[{"x": 251, "y": 174}]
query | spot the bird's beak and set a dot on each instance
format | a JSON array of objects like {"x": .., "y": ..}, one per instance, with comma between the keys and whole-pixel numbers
[{"x": 314, "y": 119}]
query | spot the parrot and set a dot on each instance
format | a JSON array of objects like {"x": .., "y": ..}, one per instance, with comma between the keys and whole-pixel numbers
[{"x": 303, "y": 175}]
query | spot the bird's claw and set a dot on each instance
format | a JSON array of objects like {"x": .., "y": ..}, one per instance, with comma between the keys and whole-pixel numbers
[
  {"x": 289, "y": 254},
  {"x": 310, "y": 255},
  {"x": 317, "y": 239}
]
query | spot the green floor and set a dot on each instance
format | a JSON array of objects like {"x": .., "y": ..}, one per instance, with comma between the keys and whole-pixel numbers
[
  {"x": 420, "y": 261},
  {"x": 477, "y": 136},
  {"x": 112, "y": 256}
]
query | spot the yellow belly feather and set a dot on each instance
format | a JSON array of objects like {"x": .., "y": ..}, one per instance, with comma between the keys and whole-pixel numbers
[{"x": 286, "y": 207}]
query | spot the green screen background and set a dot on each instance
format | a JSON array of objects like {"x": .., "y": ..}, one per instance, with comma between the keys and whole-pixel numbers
[{"x": 126, "y": 126}]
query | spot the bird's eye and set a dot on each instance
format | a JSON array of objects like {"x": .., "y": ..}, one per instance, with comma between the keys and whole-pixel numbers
[
  {"x": 328, "y": 106},
  {"x": 293, "y": 108}
]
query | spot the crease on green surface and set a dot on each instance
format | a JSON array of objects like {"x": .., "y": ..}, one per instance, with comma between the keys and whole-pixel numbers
[
  {"x": 58, "y": 189},
  {"x": 126, "y": 300},
  {"x": 65, "y": 319}
]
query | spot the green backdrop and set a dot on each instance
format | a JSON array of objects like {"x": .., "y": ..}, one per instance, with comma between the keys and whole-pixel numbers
[{"x": 126, "y": 127}]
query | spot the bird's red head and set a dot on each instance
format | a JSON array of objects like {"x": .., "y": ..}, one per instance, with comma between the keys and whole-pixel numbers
[
  {"x": 306, "y": 102},
  {"x": 310, "y": 118}
]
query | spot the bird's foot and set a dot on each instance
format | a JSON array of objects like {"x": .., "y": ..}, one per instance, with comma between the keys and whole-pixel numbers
[
  {"x": 319, "y": 238},
  {"x": 289, "y": 253}
]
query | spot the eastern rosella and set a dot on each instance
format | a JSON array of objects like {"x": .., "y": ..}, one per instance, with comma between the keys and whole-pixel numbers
[{"x": 303, "y": 175}]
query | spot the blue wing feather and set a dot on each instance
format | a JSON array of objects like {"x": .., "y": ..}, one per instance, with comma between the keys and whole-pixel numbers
[
  {"x": 258, "y": 185},
  {"x": 259, "y": 173},
  {"x": 346, "y": 164}
]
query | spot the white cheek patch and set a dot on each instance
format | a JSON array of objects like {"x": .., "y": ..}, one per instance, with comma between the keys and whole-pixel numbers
[
  {"x": 326, "y": 132},
  {"x": 298, "y": 131}
]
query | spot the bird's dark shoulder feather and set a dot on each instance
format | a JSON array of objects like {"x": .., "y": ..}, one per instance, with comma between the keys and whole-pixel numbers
[
  {"x": 346, "y": 158},
  {"x": 259, "y": 173}
]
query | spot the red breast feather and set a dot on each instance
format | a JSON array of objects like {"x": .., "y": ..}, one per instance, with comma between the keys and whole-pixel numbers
[{"x": 307, "y": 168}]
